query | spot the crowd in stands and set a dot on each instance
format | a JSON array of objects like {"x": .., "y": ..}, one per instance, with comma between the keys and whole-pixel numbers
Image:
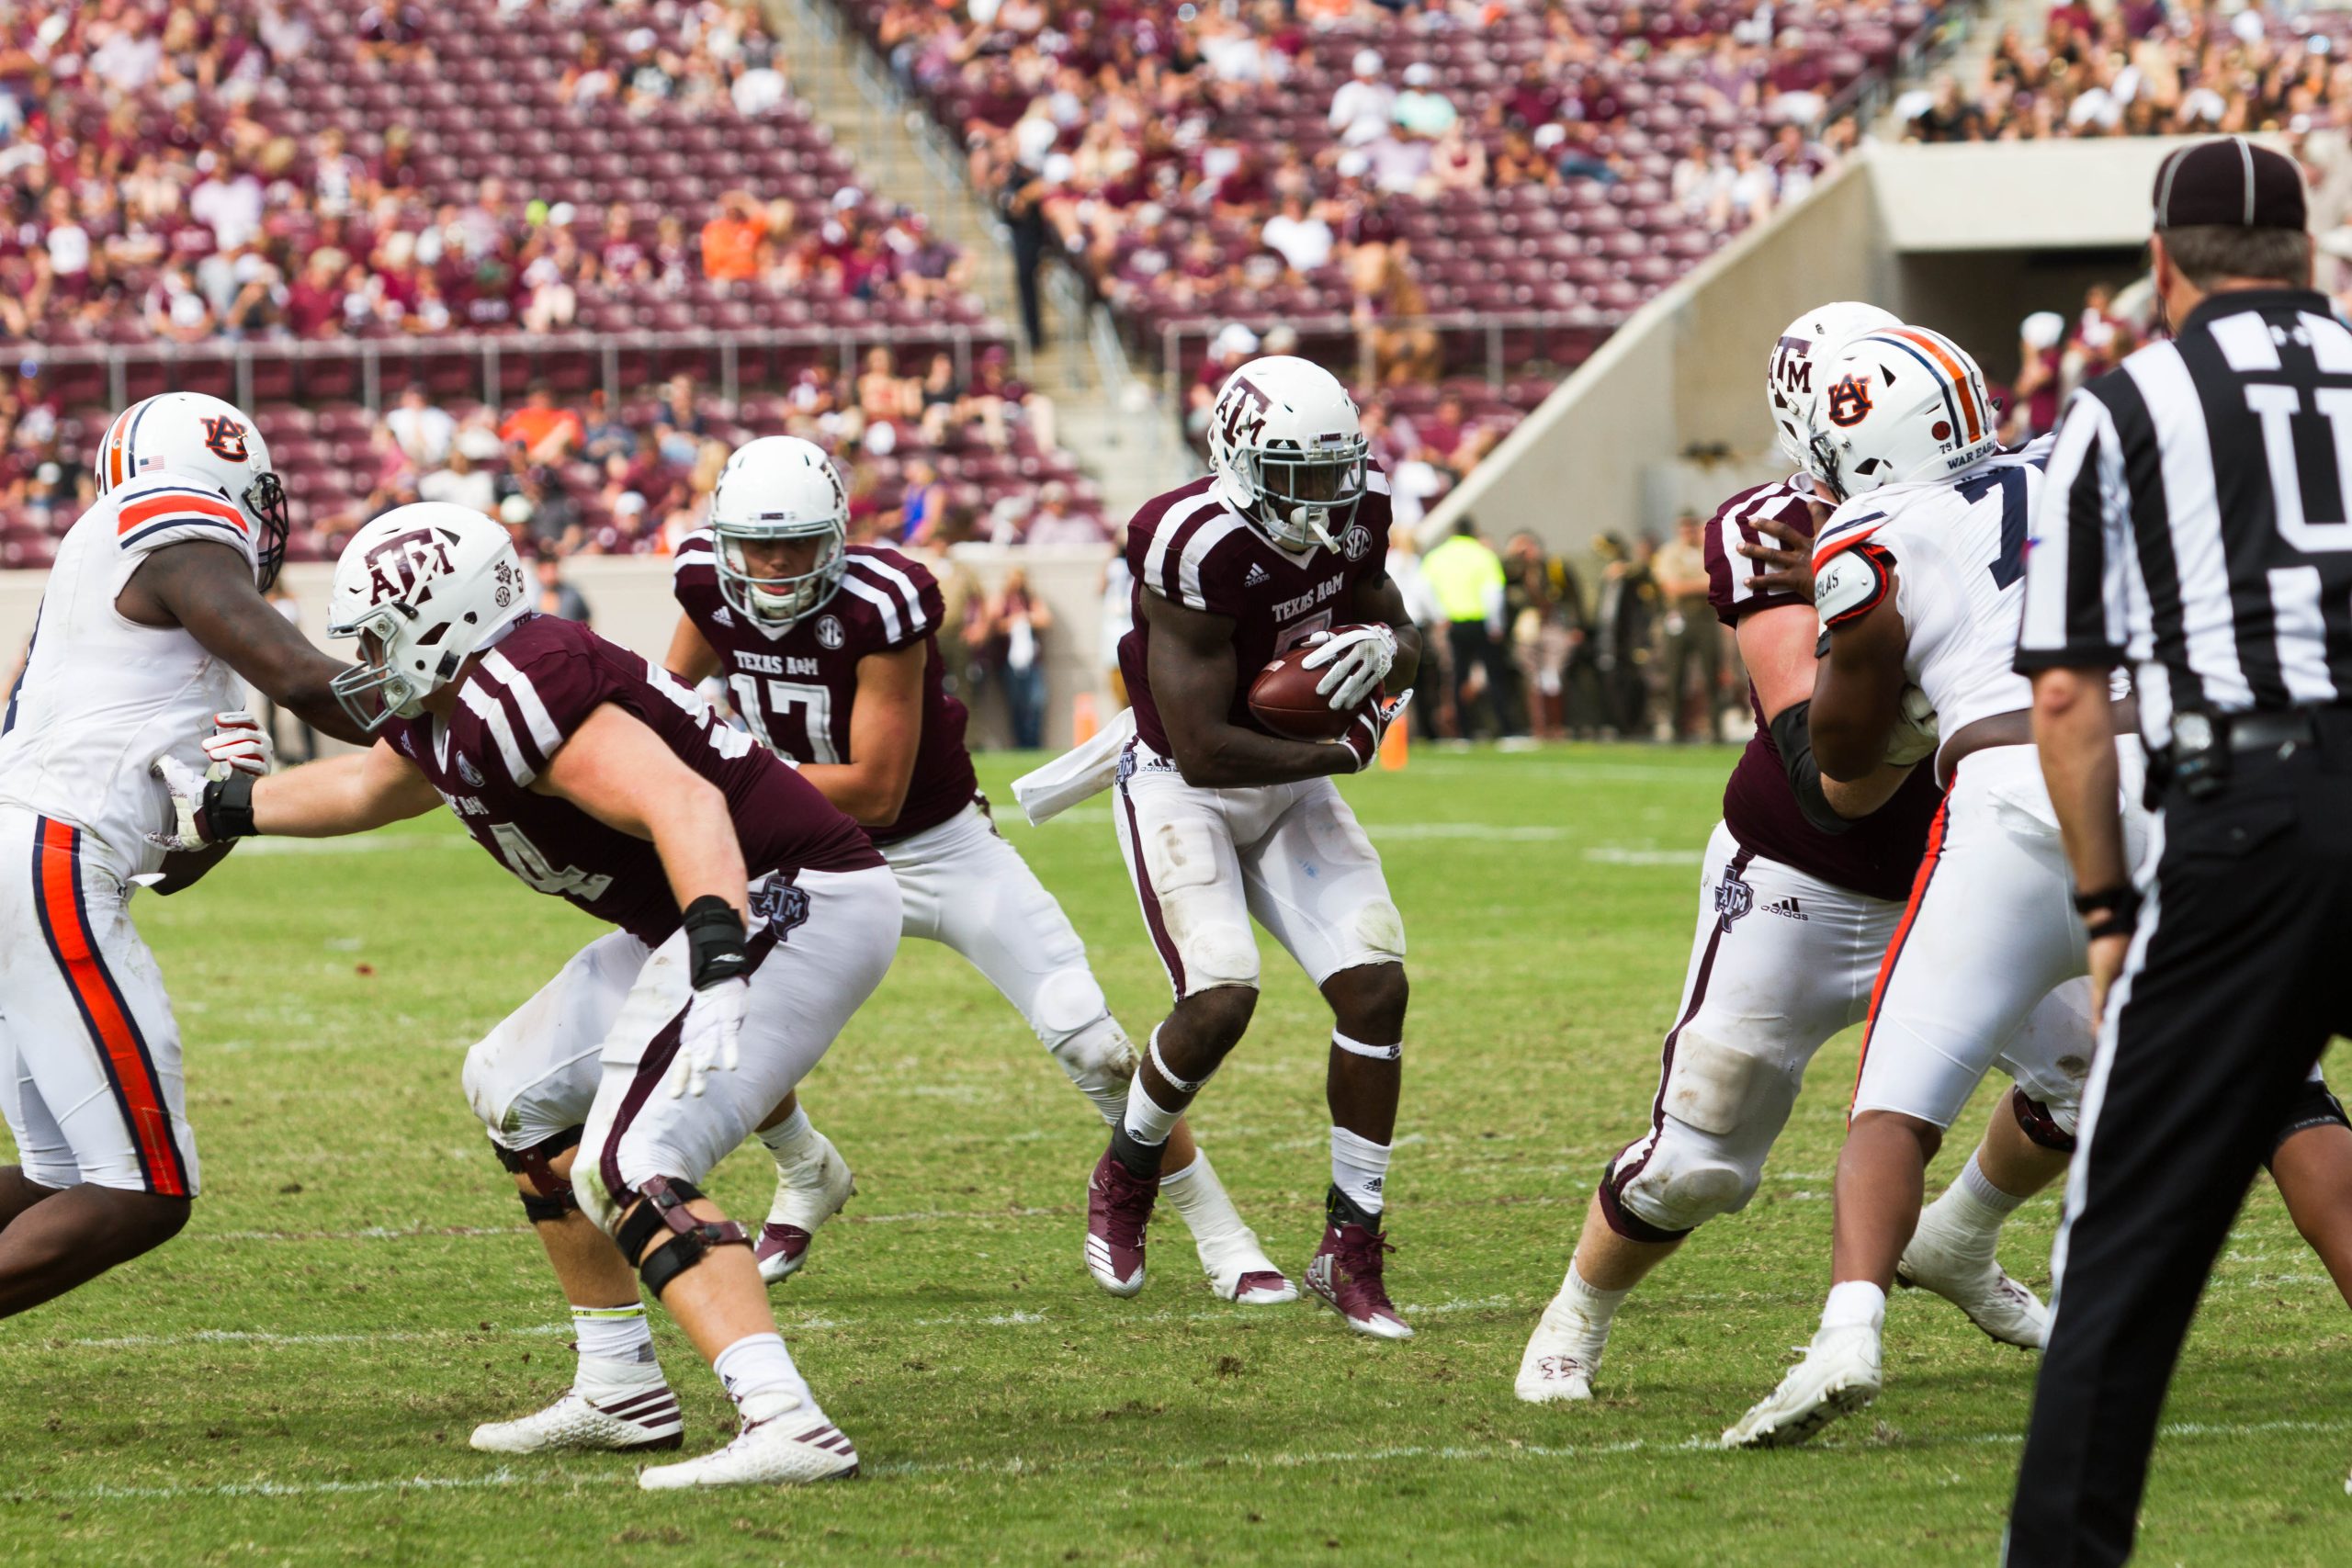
[
  {"x": 2146, "y": 68},
  {"x": 1375, "y": 162},
  {"x": 289, "y": 168}
]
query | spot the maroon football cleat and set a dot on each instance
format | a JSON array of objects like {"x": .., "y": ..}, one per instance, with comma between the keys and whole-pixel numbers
[
  {"x": 1118, "y": 1210},
  {"x": 1345, "y": 1272},
  {"x": 780, "y": 1249}
]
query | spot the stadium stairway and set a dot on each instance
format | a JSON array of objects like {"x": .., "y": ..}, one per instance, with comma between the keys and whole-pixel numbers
[{"x": 1104, "y": 416}]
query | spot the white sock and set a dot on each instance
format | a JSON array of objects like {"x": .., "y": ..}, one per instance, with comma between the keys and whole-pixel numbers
[
  {"x": 1201, "y": 1201},
  {"x": 612, "y": 1333},
  {"x": 1979, "y": 1186},
  {"x": 1854, "y": 1302},
  {"x": 760, "y": 1376},
  {"x": 1359, "y": 1168},
  {"x": 789, "y": 1139},
  {"x": 1584, "y": 1309},
  {"x": 1147, "y": 1121}
]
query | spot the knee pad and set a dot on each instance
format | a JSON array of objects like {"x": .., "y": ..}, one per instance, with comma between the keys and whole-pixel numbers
[
  {"x": 552, "y": 1196},
  {"x": 1068, "y": 1003},
  {"x": 2313, "y": 1106},
  {"x": 2049, "y": 1125},
  {"x": 1685, "y": 1180},
  {"x": 1378, "y": 927},
  {"x": 662, "y": 1206},
  {"x": 1207, "y": 921},
  {"x": 1101, "y": 1060}
]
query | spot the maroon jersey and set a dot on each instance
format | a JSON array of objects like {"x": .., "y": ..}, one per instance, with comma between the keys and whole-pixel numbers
[
  {"x": 1189, "y": 548},
  {"x": 1878, "y": 855},
  {"x": 525, "y": 697},
  {"x": 798, "y": 685}
]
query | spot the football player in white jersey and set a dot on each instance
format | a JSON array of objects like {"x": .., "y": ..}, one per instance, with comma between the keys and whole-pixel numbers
[
  {"x": 152, "y": 613},
  {"x": 1804, "y": 889},
  {"x": 1917, "y": 580}
]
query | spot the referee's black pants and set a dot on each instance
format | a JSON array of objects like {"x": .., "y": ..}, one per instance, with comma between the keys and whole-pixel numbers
[{"x": 2239, "y": 975}]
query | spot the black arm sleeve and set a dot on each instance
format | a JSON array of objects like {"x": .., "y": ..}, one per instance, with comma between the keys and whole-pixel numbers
[{"x": 1793, "y": 735}]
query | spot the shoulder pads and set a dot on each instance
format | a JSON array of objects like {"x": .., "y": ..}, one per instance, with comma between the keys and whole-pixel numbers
[{"x": 1850, "y": 584}]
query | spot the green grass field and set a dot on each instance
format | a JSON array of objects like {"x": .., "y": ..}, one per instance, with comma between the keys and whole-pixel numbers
[{"x": 294, "y": 1378}]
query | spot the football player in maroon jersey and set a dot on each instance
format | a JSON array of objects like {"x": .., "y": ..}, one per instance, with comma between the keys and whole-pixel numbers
[
  {"x": 1220, "y": 819},
  {"x": 753, "y": 918},
  {"x": 829, "y": 653},
  {"x": 1805, "y": 886}
]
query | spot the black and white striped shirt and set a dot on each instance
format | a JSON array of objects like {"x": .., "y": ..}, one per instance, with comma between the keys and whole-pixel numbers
[{"x": 2196, "y": 519}]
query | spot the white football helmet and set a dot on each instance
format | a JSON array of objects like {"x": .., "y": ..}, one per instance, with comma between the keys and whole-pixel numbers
[
  {"x": 1899, "y": 406},
  {"x": 780, "y": 486},
  {"x": 1805, "y": 349},
  {"x": 422, "y": 587},
  {"x": 1288, "y": 450},
  {"x": 201, "y": 438}
]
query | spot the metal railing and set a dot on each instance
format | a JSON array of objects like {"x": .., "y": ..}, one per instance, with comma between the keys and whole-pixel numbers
[{"x": 500, "y": 363}]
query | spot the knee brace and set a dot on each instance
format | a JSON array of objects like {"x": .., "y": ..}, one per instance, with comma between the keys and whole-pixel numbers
[
  {"x": 553, "y": 1197},
  {"x": 2313, "y": 1106},
  {"x": 2044, "y": 1125},
  {"x": 663, "y": 1205}
]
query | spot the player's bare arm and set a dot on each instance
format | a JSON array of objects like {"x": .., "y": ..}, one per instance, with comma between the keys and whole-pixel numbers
[
  {"x": 691, "y": 658},
  {"x": 2073, "y": 725},
  {"x": 1777, "y": 647},
  {"x": 620, "y": 773},
  {"x": 209, "y": 589},
  {"x": 1858, "y": 690},
  {"x": 885, "y": 735},
  {"x": 1193, "y": 672},
  {"x": 342, "y": 795}
]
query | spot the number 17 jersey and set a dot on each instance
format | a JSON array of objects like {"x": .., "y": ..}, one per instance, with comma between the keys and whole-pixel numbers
[
  {"x": 796, "y": 686},
  {"x": 1958, "y": 547}
]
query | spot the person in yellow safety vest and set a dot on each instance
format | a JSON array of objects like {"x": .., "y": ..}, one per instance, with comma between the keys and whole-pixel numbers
[{"x": 1465, "y": 576}]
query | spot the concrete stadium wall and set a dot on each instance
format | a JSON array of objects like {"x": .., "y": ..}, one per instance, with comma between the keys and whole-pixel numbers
[
  {"x": 629, "y": 596},
  {"x": 1602, "y": 453}
]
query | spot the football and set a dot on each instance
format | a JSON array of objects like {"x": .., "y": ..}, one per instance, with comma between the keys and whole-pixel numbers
[{"x": 1285, "y": 699}]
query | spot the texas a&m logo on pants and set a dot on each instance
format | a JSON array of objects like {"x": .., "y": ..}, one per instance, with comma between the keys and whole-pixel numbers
[
  {"x": 1734, "y": 897},
  {"x": 781, "y": 905}
]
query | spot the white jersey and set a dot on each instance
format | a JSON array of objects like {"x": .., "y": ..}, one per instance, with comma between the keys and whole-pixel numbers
[
  {"x": 1959, "y": 551},
  {"x": 101, "y": 695}
]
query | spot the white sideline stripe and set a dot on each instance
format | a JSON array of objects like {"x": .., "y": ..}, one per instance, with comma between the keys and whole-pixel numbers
[{"x": 1703, "y": 1444}]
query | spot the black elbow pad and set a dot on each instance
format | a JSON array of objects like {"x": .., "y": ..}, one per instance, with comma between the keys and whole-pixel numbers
[{"x": 1793, "y": 733}]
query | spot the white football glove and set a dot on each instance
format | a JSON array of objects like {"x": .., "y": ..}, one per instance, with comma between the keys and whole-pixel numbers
[
  {"x": 187, "y": 799},
  {"x": 1363, "y": 735},
  {"x": 239, "y": 741},
  {"x": 1359, "y": 658},
  {"x": 711, "y": 1037},
  {"x": 1916, "y": 733}
]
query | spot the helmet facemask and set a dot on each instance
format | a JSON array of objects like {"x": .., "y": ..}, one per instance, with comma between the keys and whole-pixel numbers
[
  {"x": 264, "y": 502},
  {"x": 373, "y": 691},
  {"x": 779, "y": 601},
  {"x": 1305, "y": 499}
]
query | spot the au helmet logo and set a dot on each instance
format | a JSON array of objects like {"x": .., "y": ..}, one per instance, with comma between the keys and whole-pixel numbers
[
  {"x": 1849, "y": 403},
  {"x": 225, "y": 438}
]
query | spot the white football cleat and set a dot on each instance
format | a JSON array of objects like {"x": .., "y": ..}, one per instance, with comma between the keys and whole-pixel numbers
[
  {"x": 1839, "y": 1376},
  {"x": 812, "y": 1192},
  {"x": 1962, "y": 1269},
  {"x": 614, "y": 1406},
  {"x": 1561, "y": 1356},
  {"x": 795, "y": 1447},
  {"x": 1239, "y": 1270}
]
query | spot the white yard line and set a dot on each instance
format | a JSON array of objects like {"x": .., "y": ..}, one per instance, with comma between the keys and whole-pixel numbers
[{"x": 1703, "y": 1444}]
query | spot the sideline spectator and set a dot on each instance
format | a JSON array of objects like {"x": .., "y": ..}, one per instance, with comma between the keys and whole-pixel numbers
[
  {"x": 1466, "y": 578},
  {"x": 1017, "y": 621},
  {"x": 1693, "y": 638},
  {"x": 555, "y": 595}
]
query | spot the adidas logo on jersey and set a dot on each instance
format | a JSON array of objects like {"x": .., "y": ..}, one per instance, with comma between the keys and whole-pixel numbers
[
  {"x": 723, "y": 615},
  {"x": 1787, "y": 909},
  {"x": 1255, "y": 578}
]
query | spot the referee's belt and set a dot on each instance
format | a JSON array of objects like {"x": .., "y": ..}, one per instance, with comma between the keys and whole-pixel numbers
[{"x": 2270, "y": 731}]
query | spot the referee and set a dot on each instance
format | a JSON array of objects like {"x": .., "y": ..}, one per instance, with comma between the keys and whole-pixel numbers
[{"x": 2196, "y": 523}]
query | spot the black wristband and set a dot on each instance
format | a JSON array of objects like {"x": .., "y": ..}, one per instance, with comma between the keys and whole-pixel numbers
[
  {"x": 2119, "y": 905},
  {"x": 226, "y": 809},
  {"x": 715, "y": 943}
]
